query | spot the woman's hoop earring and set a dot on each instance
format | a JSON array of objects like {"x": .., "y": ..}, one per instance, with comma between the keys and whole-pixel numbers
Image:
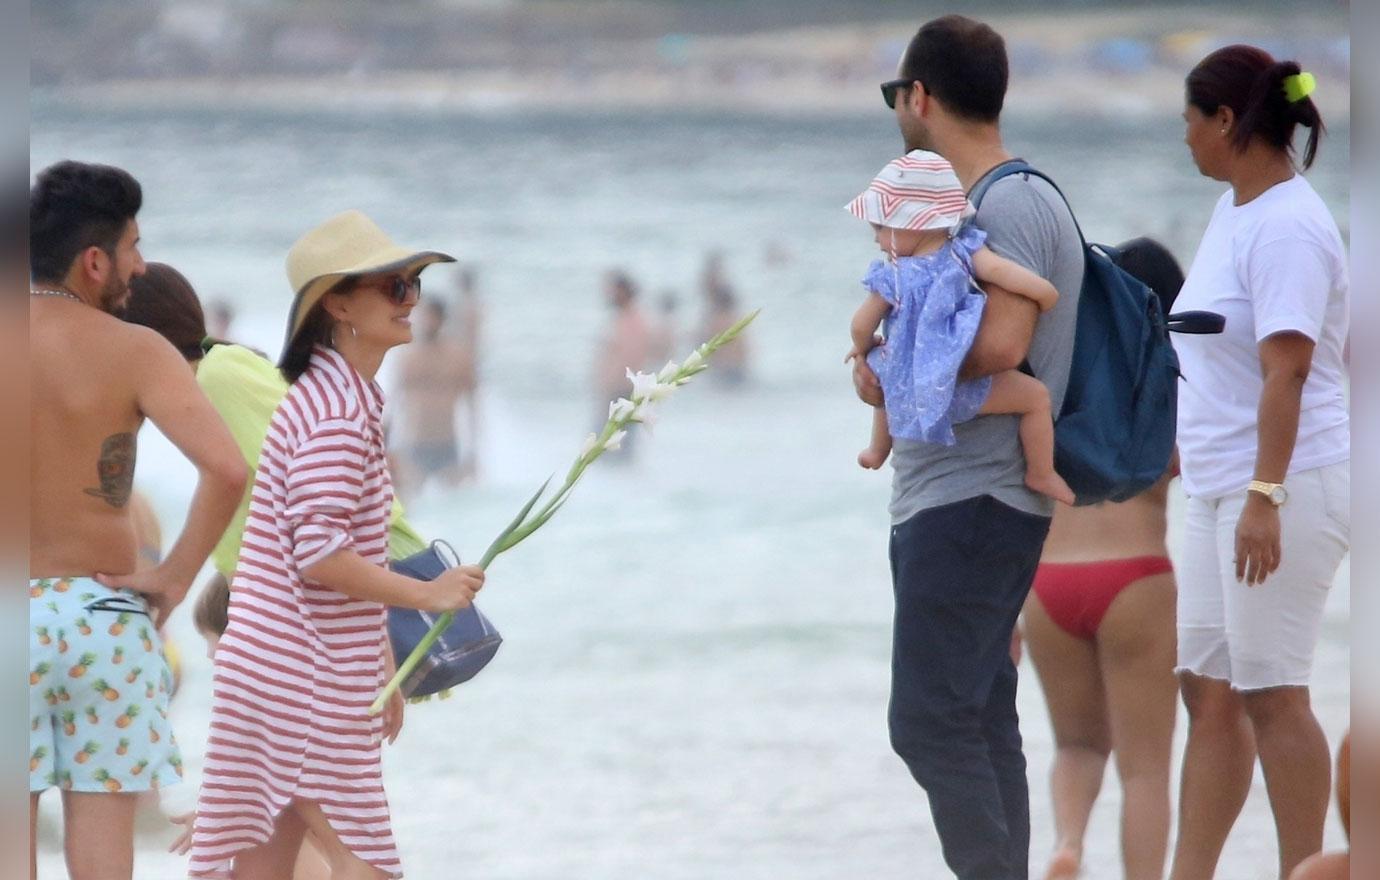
[{"x": 353, "y": 333}]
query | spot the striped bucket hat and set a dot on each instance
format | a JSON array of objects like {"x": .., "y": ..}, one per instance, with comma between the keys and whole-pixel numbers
[{"x": 917, "y": 191}]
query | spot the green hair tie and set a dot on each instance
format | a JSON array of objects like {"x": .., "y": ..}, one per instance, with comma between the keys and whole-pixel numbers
[{"x": 1299, "y": 86}]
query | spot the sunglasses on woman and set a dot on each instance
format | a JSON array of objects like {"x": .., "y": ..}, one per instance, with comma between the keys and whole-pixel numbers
[
  {"x": 399, "y": 289},
  {"x": 891, "y": 87}
]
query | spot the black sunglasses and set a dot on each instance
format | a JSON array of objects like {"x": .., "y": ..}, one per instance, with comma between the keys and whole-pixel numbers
[
  {"x": 891, "y": 87},
  {"x": 398, "y": 288}
]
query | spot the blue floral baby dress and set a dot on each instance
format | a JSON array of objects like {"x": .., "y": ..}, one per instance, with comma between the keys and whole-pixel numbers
[{"x": 935, "y": 310}]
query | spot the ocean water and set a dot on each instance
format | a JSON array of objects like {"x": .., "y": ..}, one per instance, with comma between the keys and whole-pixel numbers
[{"x": 695, "y": 672}]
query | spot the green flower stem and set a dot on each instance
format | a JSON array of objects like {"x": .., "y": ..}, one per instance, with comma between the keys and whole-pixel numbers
[{"x": 521, "y": 528}]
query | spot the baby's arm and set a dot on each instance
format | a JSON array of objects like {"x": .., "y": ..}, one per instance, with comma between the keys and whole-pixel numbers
[
  {"x": 990, "y": 268},
  {"x": 866, "y": 320}
]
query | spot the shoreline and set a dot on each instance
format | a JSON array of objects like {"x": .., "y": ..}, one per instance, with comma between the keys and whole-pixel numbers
[
  {"x": 1117, "y": 62},
  {"x": 1145, "y": 96}
]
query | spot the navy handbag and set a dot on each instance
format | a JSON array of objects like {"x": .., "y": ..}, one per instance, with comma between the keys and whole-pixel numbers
[{"x": 464, "y": 648}]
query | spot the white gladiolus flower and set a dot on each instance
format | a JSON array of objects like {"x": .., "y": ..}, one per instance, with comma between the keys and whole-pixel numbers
[
  {"x": 642, "y": 384},
  {"x": 638, "y": 406},
  {"x": 615, "y": 441},
  {"x": 590, "y": 442}
]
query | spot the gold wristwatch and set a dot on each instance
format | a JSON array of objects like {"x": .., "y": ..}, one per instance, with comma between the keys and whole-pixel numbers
[{"x": 1274, "y": 492}]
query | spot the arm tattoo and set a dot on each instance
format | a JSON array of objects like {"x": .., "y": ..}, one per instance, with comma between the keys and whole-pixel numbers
[{"x": 116, "y": 470}]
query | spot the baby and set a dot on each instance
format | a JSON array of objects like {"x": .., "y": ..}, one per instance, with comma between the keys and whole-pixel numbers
[{"x": 926, "y": 291}]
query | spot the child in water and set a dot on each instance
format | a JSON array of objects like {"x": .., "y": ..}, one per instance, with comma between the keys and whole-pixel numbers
[{"x": 926, "y": 292}]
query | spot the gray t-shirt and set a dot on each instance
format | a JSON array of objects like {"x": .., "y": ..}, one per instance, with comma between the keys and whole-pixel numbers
[{"x": 1027, "y": 222}]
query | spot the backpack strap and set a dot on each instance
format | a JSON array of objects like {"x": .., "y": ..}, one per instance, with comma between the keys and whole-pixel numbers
[
  {"x": 1020, "y": 166},
  {"x": 1195, "y": 322},
  {"x": 1005, "y": 169}
]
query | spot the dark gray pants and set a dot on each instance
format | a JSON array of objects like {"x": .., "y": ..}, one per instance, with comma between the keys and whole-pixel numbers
[{"x": 961, "y": 573}]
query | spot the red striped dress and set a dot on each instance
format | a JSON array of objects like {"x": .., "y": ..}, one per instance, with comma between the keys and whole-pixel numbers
[{"x": 300, "y": 663}]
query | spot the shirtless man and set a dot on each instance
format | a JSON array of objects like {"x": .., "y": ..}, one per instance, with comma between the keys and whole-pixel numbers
[
  {"x": 98, "y": 682},
  {"x": 627, "y": 345},
  {"x": 438, "y": 374}
]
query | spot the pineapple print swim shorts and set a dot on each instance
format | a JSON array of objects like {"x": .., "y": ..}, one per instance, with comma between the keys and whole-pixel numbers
[{"x": 99, "y": 687}]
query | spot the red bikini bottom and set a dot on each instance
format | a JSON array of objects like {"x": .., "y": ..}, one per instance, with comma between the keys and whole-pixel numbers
[{"x": 1076, "y": 595}]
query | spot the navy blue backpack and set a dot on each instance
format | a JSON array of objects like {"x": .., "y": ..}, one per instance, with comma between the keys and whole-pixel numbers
[{"x": 1114, "y": 435}]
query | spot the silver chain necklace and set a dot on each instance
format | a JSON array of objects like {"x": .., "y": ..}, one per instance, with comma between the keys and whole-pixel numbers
[{"x": 51, "y": 291}]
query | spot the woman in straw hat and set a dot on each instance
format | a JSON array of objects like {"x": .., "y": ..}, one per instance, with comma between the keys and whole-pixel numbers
[
  {"x": 293, "y": 747},
  {"x": 925, "y": 290}
]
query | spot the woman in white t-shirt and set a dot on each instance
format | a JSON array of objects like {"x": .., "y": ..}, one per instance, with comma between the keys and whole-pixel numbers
[{"x": 1264, "y": 441}]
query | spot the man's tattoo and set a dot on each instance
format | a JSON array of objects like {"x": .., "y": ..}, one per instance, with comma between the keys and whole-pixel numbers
[{"x": 116, "y": 470}]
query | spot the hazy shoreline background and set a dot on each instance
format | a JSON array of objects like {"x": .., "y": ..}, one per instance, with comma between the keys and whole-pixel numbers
[{"x": 786, "y": 58}]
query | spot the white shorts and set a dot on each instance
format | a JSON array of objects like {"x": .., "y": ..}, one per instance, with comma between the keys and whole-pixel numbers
[{"x": 1262, "y": 636}]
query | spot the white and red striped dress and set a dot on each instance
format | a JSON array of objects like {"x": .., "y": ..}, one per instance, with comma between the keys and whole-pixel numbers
[{"x": 300, "y": 663}]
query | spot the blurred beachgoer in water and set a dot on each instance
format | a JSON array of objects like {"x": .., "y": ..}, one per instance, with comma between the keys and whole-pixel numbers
[
  {"x": 97, "y": 661},
  {"x": 712, "y": 276},
  {"x": 720, "y": 312},
  {"x": 731, "y": 361},
  {"x": 220, "y": 315},
  {"x": 1099, "y": 626},
  {"x": 775, "y": 254},
  {"x": 471, "y": 312},
  {"x": 626, "y": 345},
  {"x": 666, "y": 330},
  {"x": 471, "y": 335},
  {"x": 437, "y": 375}
]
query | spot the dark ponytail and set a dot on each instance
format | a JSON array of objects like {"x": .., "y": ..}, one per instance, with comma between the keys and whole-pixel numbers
[
  {"x": 318, "y": 328},
  {"x": 315, "y": 330},
  {"x": 1251, "y": 83}
]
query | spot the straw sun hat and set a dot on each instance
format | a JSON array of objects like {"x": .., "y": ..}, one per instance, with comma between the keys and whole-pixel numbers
[
  {"x": 917, "y": 191},
  {"x": 347, "y": 244}
]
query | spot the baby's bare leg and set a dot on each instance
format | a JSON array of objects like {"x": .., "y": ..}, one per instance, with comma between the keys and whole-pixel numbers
[
  {"x": 874, "y": 456},
  {"x": 1016, "y": 393}
]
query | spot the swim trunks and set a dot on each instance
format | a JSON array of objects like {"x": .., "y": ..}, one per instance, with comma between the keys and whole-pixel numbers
[
  {"x": 99, "y": 687},
  {"x": 434, "y": 457}
]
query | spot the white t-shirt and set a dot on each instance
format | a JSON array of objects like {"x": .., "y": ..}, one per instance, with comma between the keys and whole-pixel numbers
[{"x": 1271, "y": 265}]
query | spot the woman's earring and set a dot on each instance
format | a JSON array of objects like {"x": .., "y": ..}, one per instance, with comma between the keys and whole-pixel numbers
[{"x": 353, "y": 333}]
